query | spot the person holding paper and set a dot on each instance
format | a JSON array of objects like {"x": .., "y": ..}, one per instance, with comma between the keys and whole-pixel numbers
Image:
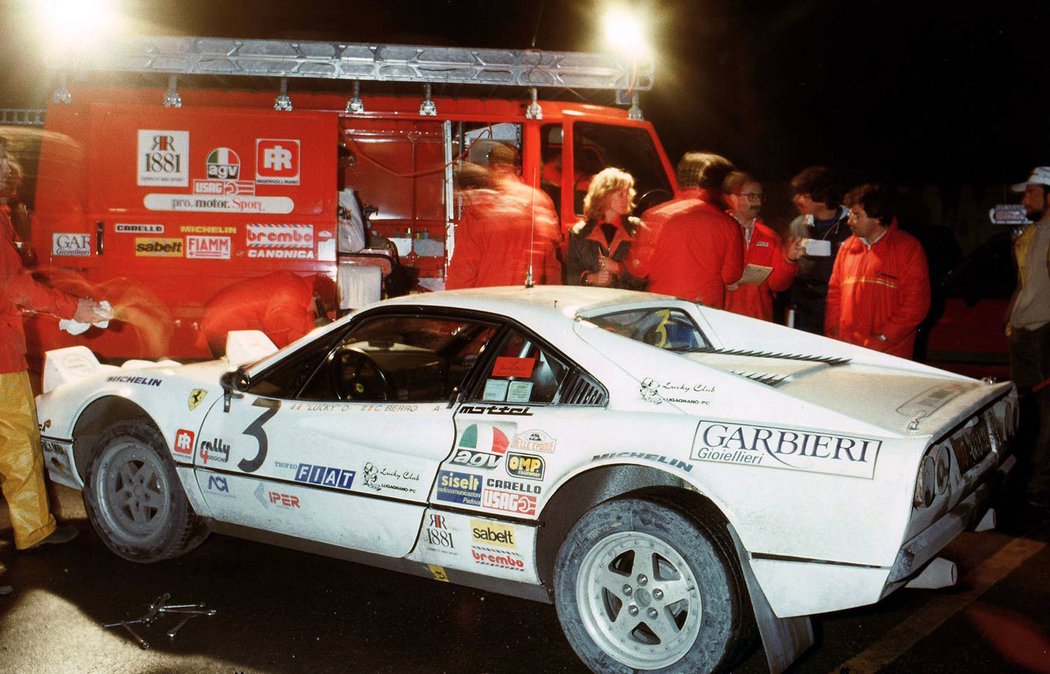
[
  {"x": 769, "y": 267},
  {"x": 822, "y": 227},
  {"x": 879, "y": 289}
]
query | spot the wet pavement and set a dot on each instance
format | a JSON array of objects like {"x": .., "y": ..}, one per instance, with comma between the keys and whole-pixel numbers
[{"x": 287, "y": 611}]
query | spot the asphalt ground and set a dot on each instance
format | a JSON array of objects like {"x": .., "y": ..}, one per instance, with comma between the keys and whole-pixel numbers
[{"x": 287, "y": 611}]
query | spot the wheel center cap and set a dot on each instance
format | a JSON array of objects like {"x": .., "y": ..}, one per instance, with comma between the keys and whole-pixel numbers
[{"x": 643, "y": 597}]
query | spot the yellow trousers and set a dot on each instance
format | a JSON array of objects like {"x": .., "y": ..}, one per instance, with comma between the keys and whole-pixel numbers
[{"x": 21, "y": 462}]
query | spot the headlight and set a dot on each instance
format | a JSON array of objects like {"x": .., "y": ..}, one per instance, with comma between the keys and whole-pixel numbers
[{"x": 934, "y": 476}]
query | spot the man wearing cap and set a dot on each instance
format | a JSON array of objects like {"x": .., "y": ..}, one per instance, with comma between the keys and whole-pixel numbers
[
  {"x": 1028, "y": 331},
  {"x": 879, "y": 289}
]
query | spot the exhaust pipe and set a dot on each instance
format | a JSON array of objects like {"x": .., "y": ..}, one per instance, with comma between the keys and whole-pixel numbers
[{"x": 939, "y": 573}]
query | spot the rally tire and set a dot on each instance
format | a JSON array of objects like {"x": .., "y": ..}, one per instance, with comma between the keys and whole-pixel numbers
[
  {"x": 641, "y": 586},
  {"x": 134, "y": 498}
]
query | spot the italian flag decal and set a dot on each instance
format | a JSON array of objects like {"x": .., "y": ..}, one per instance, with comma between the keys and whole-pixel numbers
[{"x": 485, "y": 439}]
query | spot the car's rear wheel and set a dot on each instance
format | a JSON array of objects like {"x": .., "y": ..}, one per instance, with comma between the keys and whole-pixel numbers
[
  {"x": 642, "y": 586},
  {"x": 134, "y": 499}
]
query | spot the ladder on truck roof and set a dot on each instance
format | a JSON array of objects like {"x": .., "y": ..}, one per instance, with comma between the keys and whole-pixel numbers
[{"x": 374, "y": 62}]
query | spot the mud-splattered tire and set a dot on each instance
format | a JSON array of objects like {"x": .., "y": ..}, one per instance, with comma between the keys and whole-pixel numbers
[
  {"x": 643, "y": 587},
  {"x": 134, "y": 498}
]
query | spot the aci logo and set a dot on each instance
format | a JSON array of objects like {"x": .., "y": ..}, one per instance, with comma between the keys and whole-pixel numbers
[
  {"x": 276, "y": 161},
  {"x": 218, "y": 484},
  {"x": 184, "y": 441}
]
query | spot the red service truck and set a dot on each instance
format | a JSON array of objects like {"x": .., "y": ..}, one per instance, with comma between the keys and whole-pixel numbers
[{"x": 162, "y": 197}]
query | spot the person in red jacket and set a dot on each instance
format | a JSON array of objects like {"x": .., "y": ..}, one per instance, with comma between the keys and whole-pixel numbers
[
  {"x": 503, "y": 229},
  {"x": 762, "y": 248},
  {"x": 281, "y": 304},
  {"x": 21, "y": 461},
  {"x": 879, "y": 290},
  {"x": 694, "y": 249}
]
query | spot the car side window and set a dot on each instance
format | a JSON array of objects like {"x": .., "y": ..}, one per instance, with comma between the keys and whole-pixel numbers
[
  {"x": 400, "y": 358},
  {"x": 669, "y": 329},
  {"x": 521, "y": 371}
]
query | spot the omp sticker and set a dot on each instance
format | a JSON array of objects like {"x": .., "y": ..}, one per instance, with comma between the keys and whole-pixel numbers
[
  {"x": 507, "y": 366},
  {"x": 527, "y": 466},
  {"x": 726, "y": 442}
]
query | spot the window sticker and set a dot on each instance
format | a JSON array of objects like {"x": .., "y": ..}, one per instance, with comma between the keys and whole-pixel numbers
[
  {"x": 507, "y": 366},
  {"x": 519, "y": 391},
  {"x": 495, "y": 389}
]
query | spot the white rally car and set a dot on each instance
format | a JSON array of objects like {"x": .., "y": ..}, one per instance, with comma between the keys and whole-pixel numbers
[{"x": 671, "y": 477}]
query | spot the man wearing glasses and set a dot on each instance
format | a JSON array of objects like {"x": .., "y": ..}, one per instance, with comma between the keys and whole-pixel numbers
[{"x": 763, "y": 251}]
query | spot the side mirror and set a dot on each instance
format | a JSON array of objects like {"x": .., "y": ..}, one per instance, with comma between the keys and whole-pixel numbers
[{"x": 233, "y": 385}]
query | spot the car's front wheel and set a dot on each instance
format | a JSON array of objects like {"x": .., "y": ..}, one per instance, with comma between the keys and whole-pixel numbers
[
  {"x": 133, "y": 496},
  {"x": 642, "y": 586}
]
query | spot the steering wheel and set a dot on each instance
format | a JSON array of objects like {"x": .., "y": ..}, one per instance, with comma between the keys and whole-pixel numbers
[
  {"x": 358, "y": 377},
  {"x": 651, "y": 198}
]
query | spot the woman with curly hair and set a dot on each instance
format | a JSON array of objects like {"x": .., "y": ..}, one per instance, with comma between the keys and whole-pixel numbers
[{"x": 599, "y": 244}]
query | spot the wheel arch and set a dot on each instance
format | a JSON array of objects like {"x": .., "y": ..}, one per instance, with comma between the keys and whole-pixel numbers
[
  {"x": 95, "y": 420},
  {"x": 605, "y": 483}
]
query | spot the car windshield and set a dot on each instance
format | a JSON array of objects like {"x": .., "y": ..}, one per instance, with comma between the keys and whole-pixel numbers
[{"x": 664, "y": 328}]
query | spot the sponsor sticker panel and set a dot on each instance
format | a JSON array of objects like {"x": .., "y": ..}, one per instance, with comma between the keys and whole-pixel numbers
[{"x": 478, "y": 545}]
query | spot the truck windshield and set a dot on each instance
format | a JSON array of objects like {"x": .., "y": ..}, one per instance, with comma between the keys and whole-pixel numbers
[{"x": 599, "y": 146}]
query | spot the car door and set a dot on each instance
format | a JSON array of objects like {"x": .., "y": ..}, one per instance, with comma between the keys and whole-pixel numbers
[
  {"x": 340, "y": 442},
  {"x": 527, "y": 399}
]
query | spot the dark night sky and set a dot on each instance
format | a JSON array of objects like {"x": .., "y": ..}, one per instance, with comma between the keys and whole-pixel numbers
[{"x": 902, "y": 91}]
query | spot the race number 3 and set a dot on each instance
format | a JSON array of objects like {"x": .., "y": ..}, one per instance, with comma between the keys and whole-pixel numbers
[{"x": 255, "y": 429}]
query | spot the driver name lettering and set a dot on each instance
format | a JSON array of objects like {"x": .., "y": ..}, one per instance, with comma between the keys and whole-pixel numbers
[
  {"x": 496, "y": 409},
  {"x": 786, "y": 449}
]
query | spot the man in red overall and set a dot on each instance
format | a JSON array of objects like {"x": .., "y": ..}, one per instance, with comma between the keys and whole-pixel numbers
[{"x": 879, "y": 290}]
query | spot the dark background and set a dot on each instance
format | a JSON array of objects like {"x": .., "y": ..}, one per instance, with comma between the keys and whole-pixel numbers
[{"x": 942, "y": 97}]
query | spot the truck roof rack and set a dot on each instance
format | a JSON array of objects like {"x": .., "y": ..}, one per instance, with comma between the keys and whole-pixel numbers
[{"x": 369, "y": 62}]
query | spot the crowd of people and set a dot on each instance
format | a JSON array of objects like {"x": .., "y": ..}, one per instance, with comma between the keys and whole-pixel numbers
[{"x": 846, "y": 270}]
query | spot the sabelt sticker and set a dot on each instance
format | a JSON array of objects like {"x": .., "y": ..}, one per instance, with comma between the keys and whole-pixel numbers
[
  {"x": 71, "y": 245},
  {"x": 276, "y": 161},
  {"x": 158, "y": 247}
]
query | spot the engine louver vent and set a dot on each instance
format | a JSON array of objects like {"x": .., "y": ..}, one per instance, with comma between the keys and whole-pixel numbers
[{"x": 579, "y": 389}]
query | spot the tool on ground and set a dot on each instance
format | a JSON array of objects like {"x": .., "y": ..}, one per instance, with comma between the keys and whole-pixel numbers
[{"x": 155, "y": 610}]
